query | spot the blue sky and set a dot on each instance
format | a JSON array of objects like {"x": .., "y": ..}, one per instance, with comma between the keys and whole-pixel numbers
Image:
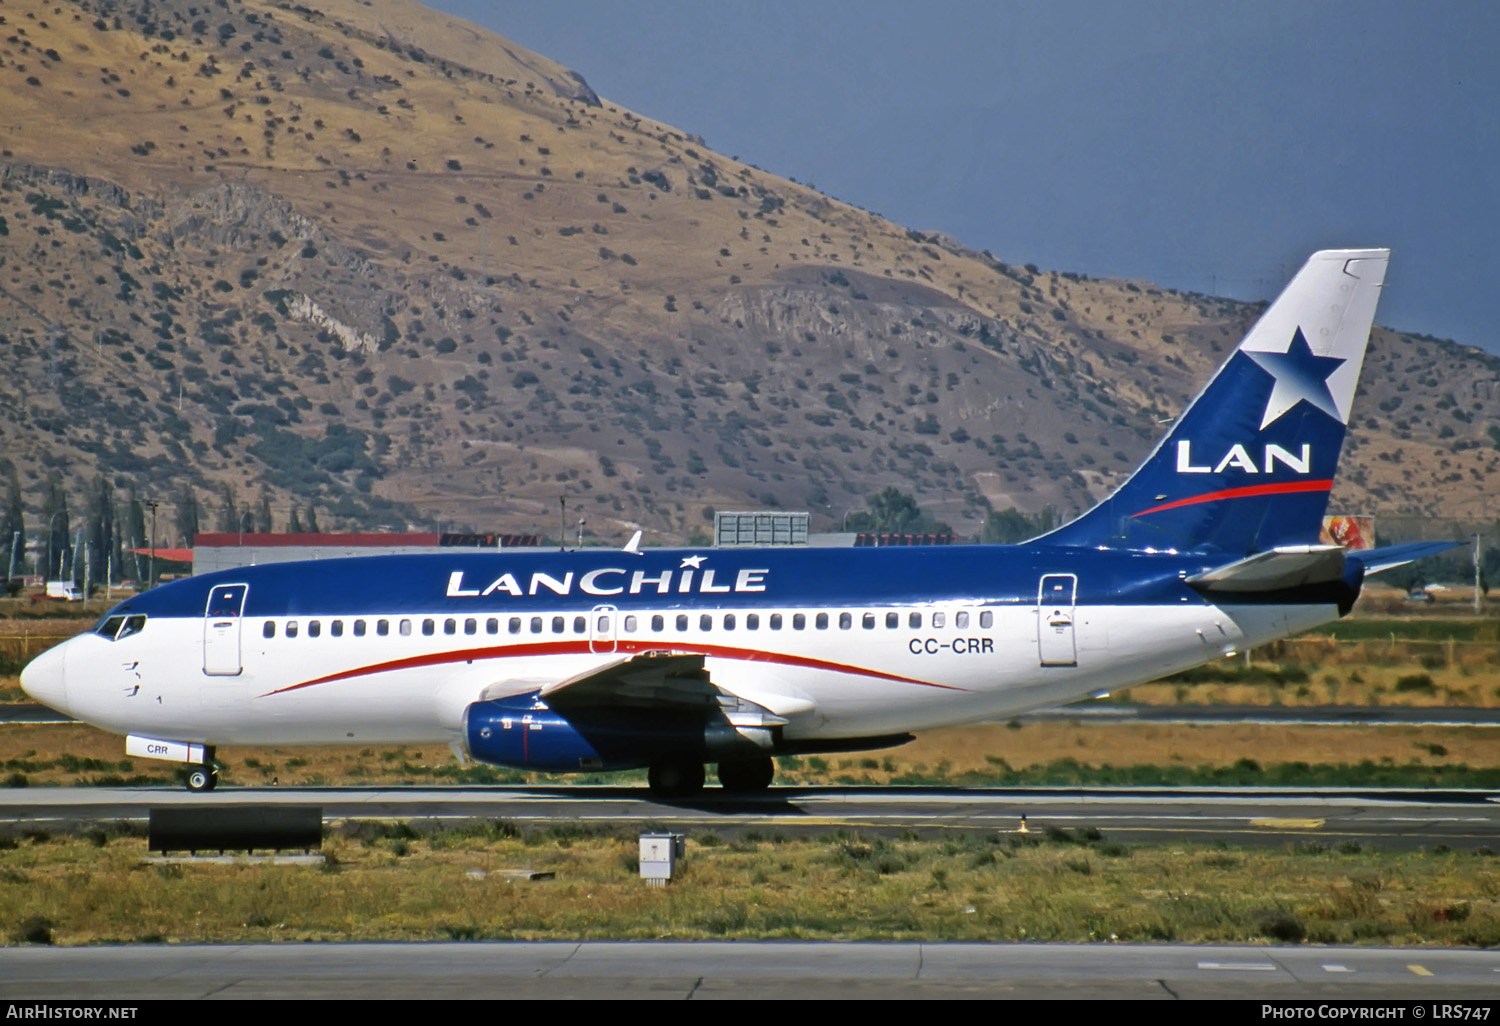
[{"x": 1201, "y": 145}]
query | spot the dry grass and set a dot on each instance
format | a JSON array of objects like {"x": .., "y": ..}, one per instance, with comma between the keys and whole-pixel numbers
[
  {"x": 395, "y": 883},
  {"x": 1340, "y": 678},
  {"x": 66, "y": 755},
  {"x": 970, "y": 748}
]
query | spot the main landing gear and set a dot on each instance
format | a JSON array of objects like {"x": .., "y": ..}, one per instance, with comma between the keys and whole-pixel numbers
[
  {"x": 675, "y": 779},
  {"x": 683, "y": 778},
  {"x": 747, "y": 776}
]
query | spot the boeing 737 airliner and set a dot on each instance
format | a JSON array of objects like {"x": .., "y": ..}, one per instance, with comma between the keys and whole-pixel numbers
[{"x": 599, "y": 660}]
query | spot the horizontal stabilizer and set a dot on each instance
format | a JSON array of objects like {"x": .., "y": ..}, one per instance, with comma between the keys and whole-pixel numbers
[
  {"x": 1287, "y": 567},
  {"x": 1376, "y": 560}
]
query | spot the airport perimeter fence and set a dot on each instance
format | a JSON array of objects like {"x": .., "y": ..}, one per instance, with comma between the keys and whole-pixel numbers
[
  {"x": 16, "y": 650},
  {"x": 1430, "y": 653}
]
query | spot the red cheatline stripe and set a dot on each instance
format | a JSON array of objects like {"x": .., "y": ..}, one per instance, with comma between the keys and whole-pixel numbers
[
  {"x": 1289, "y": 488},
  {"x": 579, "y": 647}
]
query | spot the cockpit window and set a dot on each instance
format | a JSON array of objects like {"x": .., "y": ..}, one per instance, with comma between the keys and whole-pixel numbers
[{"x": 117, "y": 628}]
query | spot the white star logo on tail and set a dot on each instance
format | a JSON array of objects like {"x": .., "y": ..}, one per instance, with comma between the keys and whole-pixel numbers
[{"x": 1301, "y": 376}]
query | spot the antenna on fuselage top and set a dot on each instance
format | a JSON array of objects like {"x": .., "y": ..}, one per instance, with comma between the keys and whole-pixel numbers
[{"x": 634, "y": 544}]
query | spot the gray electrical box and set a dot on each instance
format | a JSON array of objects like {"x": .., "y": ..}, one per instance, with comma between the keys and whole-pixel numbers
[{"x": 659, "y": 855}]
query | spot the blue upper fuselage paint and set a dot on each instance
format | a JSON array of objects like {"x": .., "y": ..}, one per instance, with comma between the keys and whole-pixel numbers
[{"x": 499, "y": 582}]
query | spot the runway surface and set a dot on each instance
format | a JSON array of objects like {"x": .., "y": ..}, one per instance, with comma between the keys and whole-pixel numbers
[
  {"x": 767, "y": 969},
  {"x": 1389, "y": 819}
]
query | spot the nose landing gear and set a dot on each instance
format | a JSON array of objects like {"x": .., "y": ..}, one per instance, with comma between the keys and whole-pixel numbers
[{"x": 203, "y": 776}]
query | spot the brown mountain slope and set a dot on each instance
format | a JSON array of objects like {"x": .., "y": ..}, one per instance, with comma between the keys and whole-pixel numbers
[{"x": 379, "y": 261}]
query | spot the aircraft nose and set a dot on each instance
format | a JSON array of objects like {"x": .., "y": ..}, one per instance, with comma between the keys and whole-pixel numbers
[{"x": 43, "y": 679}]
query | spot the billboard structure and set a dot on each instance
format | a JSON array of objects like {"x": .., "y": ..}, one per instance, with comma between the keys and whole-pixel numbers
[{"x": 1355, "y": 533}]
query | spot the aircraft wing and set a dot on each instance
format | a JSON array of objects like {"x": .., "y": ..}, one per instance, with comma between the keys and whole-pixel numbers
[
  {"x": 646, "y": 679},
  {"x": 664, "y": 681},
  {"x": 1284, "y": 567}
]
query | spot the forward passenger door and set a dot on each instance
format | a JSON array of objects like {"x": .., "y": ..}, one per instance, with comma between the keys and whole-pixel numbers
[{"x": 221, "y": 630}]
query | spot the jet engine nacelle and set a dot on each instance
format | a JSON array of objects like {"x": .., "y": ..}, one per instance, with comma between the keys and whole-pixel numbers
[
  {"x": 527, "y": 735},
  {"x": 524, "y": 732}
]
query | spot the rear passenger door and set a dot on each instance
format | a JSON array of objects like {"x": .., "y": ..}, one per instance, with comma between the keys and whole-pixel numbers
[{"x": 1056, "y": 597}]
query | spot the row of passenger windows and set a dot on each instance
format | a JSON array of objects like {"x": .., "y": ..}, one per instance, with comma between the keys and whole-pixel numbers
[{"x": 630, "y": 623}]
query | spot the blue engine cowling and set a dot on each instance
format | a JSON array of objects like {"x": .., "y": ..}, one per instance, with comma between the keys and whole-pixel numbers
[{"x": 524, "y": 732}]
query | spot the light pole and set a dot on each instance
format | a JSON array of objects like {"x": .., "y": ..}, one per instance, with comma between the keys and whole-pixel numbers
[
  {"x": 51, "y": 534},
  {"x": 1478, "y": 557},
  {"x": 151, "y": 566}
]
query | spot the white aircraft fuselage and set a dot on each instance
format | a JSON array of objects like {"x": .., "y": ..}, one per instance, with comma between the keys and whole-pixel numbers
[{"x": 406, "y": 669}]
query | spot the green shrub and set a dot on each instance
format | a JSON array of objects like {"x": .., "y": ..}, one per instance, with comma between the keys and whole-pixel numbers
[
  {"x": 1418, "y": 682},
  {"x": 1282, "y": 926}
]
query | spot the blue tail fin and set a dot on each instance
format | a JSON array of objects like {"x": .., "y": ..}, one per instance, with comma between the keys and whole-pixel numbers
[{"x": 1249, "y": 464}]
